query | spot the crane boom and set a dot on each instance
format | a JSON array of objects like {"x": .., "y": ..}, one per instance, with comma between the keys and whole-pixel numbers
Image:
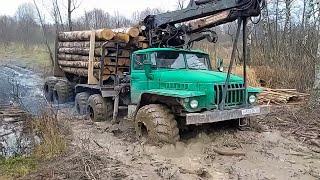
[{"x": 182, "y": 27}]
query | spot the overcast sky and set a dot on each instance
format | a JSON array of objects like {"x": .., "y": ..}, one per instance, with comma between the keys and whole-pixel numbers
[{"x": 125, "y": 7}]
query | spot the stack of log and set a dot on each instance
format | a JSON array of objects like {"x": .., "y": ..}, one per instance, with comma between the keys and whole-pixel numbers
[
  {"x": 74, "y": 49},
  {"x": 282, "y": 96}
]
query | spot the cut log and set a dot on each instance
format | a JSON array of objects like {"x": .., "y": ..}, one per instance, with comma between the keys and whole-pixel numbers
[
  {"x": 122, "y": 37},
  {"x": 77, "y": 71},
  {"x": 79, "y": 51},
  {"x": 77, "y": 64},
  {"x": 207, "y": 21},
  {"x": 72, "y": 57},
  {"x": 86, "y": 44},
  {"x": 143, "y": 45},
  {"x": 101, "y": 34},
  {"x": 78, "y": 44},
  {"x": 131, "y": 31}
]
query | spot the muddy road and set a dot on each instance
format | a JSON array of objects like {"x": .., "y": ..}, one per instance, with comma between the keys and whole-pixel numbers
[{"x": 106, "y": 151}]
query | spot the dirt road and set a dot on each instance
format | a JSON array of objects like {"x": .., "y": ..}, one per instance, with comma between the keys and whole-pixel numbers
[{"x": 106, "y": 151}]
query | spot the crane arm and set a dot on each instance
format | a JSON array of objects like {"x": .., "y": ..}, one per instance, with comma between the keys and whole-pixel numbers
[{"x": 181, "y": 27}]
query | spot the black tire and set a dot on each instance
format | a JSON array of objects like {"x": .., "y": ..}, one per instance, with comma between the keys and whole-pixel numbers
[
  {"x": 48, "y": 88},
  {"x": 63, "y": 92},
  {"x": 99, "y": 109},
  {"x": 157, "y": 123},
  {"x": 81, "y": 102}
]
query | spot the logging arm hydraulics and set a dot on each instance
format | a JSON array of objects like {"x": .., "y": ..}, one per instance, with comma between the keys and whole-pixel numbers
[{"x": 183, "y": 27}]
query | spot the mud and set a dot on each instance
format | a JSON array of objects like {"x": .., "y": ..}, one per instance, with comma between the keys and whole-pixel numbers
[{"x": 106, "y": 151}]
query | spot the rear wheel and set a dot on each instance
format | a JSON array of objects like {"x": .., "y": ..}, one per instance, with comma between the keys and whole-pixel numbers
[
  {"x": 99, "y": 109},
  {"x": 48, "y": 88},
  {"x": 63, "y": 92},
  {"x": 157, "y": 123},
  {"x": 81, "y": 101}
]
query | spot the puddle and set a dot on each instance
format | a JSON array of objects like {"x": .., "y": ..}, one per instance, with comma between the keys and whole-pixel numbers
[{"x": 23, "y": 88}]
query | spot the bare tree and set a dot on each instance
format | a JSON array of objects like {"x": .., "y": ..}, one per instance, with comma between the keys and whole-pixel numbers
[
  {"x": 72, "y": 6},
  {"x": 56, "y": 14},
  {"x": 180, "y": 4},
  {"x": 45, "y": 33}
]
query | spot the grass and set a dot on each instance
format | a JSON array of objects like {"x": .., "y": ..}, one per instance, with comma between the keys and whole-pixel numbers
[
  {"x": 52, "y": 133},
  {"x": 30, "y": 56},
  {"x": 16, "y": 167}
]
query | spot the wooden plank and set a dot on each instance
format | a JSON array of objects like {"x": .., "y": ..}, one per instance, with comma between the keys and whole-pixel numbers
[{"x": 91, "y": 79}]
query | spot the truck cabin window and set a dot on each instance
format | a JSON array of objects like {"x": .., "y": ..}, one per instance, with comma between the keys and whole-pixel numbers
[
  {"x": 197, "y": 61},
  {"x": 181, "y": 60},
  {"x": 170, "y": 60},
  {"x": 138, "y": 61}
]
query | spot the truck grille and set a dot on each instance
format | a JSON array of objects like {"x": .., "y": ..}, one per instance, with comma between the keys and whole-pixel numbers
[{"x": 234, "y": 97}]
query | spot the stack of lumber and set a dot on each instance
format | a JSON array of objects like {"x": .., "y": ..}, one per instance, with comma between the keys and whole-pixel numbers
[
  {"x": 282, "y": 96},
  {"x": 74, "y": 50}
]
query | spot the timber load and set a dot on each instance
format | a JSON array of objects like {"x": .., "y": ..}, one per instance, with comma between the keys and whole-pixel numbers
[
  {"x": 75, "y": 49},
  {"x": 282, "y": 96}
]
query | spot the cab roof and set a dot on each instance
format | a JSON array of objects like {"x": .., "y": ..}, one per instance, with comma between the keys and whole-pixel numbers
[{"x": 148, "y": 50}]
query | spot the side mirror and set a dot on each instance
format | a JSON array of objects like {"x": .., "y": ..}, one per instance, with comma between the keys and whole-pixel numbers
[
  {"x": 148, "y": 69},
  {"x": 219, "y": 64}
]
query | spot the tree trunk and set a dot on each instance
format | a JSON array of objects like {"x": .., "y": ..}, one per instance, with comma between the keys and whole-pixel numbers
[
  {"x": 85, "y": 44},
  {"x": 45, "y": 35},
  {"x": 122, "y": 37},
  {"x": 131, "y": 31},
  {"x": 69, "y": 15},
  {"x": 101, "y": 34},
  {"x": 79, "y": 51},
  {"x": 317, "y": 68}
]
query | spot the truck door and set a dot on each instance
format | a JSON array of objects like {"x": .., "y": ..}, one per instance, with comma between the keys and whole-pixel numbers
[{"x": 139, "y": 80}]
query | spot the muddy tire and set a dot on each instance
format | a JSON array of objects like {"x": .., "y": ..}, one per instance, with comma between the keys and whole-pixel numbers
[
  {"x": 157, "y": 123},
  {"x": 48, "y": 88},
  {"x": 99, "y": 109},
  {"x": 63, "y": 92},
  {"x": 81, "y": 102}
]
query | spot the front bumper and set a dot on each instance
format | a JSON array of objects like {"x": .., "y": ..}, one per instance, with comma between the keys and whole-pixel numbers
[{"x": 224, "y": 115}]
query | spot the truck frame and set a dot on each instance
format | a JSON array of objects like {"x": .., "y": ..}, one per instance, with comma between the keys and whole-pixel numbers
[{"x": 169, "y": 87}]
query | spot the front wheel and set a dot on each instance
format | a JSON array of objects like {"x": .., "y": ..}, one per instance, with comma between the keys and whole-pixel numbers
[{"x": 157, "y": 123}]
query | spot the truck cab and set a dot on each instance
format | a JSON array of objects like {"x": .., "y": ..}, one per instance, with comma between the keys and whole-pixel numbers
[{"x": 183, "y": 85}]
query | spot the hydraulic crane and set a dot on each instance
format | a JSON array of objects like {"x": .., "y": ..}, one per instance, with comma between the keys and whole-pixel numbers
[{"x": 182, "y": 28}]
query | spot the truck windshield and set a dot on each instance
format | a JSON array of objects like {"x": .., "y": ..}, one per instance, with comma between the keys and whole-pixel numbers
[
  {"x": 180, "y": 60},
  {"x": 197, "y": 61}
]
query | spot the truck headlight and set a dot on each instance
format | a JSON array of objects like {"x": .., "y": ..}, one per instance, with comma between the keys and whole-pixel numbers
[
  {"x": 194, "y": 104},
  {"x": 252, "y": 99}
]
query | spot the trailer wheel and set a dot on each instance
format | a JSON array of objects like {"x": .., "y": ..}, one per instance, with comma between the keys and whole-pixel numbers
[
  {"x": 157, "y": 123},
  {"x": 63, "y": 92},
  {"x": 48, "y": 88},
  {"x": 99, "y": 109},
  {"x": 81, "y": 101}
]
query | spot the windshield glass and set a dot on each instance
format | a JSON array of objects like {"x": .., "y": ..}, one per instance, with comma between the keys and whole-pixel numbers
[
  {"x": 197, "y": 61},
  {"x": 180, "y": 60},
  {"x": 170, "y": 60}
]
